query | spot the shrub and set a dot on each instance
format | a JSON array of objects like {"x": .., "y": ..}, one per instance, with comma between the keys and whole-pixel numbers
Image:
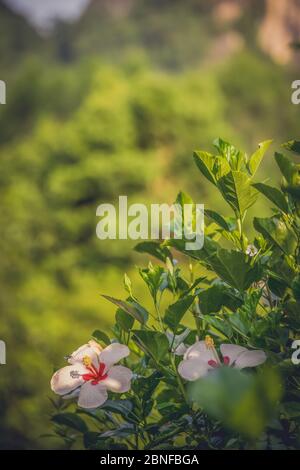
[{"x": 234, "y": 305}]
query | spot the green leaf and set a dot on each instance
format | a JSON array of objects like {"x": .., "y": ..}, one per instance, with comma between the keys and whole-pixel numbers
[
  {"x": 205, "y": 163},
  {"x": 235, "y": 268},
  {"x": 243, "y": 402},
  {"x": 154, "y": 249},
  {"x": 286, "y": 166},
  {"x": 99, "y": 336},
  {"x": 296, "y": 287},
  {"x": 290, "y": 409},
  {"x": 276, "y": 231},
  {"x": 256, "y": 157},
  {"x": 293, "y": 146},
  {"x": 183, "y": 198},
  {"x": 240, "y": 323},
  {"x": 70, "y": 420},
  {"x": 233, "y": 156},
  {"x": 133, "y": 308},
  {"x": 219, "y": 325},
  {"x": 153, "y": 343},
  {"x": 209, "y": 248},
  {"x": 187, "y": 289},
  {"x": 121, "y": 407},
  {"x": 91, "y": 440},
  {"x": 176, "y": 311},
  {"x": 123, "y": 431},
  {"x": 215, "y": 297},
  {"x": 274, "y": 195},
  {"x": 294, "y": 191},
  {"x": 127, "y": 284},
  {"x": 153, "y": 277},
  {"x": 244, "y": 318},
  {"x": 124, "y": 320},
  {"x": 217, "y": 218},
  {"x": 145, "y": 385},
  {"x": 237, "y": 191}
]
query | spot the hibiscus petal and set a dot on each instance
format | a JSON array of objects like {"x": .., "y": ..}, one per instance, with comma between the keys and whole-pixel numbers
[
  {"x": 118, "y": 379},
  {"x": 95, "y": 346},
  {"x": 250, "y": 359},
  {"x": 68, "y": 378},
  {"x": 113, "y": 353},
  {"x": 199, "y": 350},
  {"x": 92, "y": 350},
  {"x": 192, "y": 369},
  {"x": 92, "y": 396},
  {"x": 233, "y": 351}
]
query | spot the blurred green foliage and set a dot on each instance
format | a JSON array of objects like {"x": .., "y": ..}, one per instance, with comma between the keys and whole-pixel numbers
[
  {"x": 245, "y": 403},
  {"x": 104, "y": 107}
]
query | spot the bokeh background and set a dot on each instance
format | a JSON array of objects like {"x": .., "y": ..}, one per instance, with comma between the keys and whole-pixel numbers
[{"x": 104, "y": 98}]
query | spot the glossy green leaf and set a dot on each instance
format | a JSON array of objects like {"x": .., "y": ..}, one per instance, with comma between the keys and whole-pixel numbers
[
  {"x": 274, "y": 195},
  {"x": 209, "y": 248},
  {"x": 217, "y": 218},
  {"x": 232, "y": 155},
  {"x": 121, "y": 407},
  {"x": 286, "y": 166},
  {"x": 128, "y": 285},
  {"x": 244, "y": 318},
  {"x": 100, "y": 336},
  {"x": 220, "y": 327},
  {"x": 296, "y": 287},
  {"x": 123, "y": 431},
  {"x": 235, "y": 268},
  {"x": 176, "y": 311},
  {"x": 256, "y": 157},
  {"x": 183, "y": 198},
  {"x": 152, "y": 342},
  {"x": 153, "y": 277},
  {"x": 242, "y": 402},
  {"x": 133, "y": 308},
  {"x": 205, "y": 163},
  {"x": 154, "y": 249},
  {"x": 276, "y": 231},
  {"x": 217, "y": 296},
  {"x": 124, "y": 319},
  {"x": 237, "y": 191},
  {"x": 70, "y": 420},
  {"x": 293, "y": 146}
]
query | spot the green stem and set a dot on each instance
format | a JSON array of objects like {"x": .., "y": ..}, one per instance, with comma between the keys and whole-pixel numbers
[
  {"x": 197, "y": 319},
  {"x": 179, "y": 381},
  {"x": 159, "y": 317},
  {"x": 183, "y": 392},
  {"x": 240, "y": 229}
]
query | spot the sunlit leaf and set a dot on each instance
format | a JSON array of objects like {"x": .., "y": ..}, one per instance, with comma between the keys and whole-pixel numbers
[
  {"x": 274, "y": 195},
  {"x": 176, "y": 311},
  {"x": 256, "y": 157},
  {"x": 153, "y": 343},
  {"x": 237, "y": 191},
  {"x": 133, "y": 308}
]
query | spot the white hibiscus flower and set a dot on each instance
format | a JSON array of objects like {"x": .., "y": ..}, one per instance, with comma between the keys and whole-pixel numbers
[
  {"x": 92, "y": 373},
  {"x": 202, "y": 357}
]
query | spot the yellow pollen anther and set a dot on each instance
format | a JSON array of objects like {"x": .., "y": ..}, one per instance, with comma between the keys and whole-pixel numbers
[
  {"x": 87, "y": 361},
  {"x": 209, "y": 342}
]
